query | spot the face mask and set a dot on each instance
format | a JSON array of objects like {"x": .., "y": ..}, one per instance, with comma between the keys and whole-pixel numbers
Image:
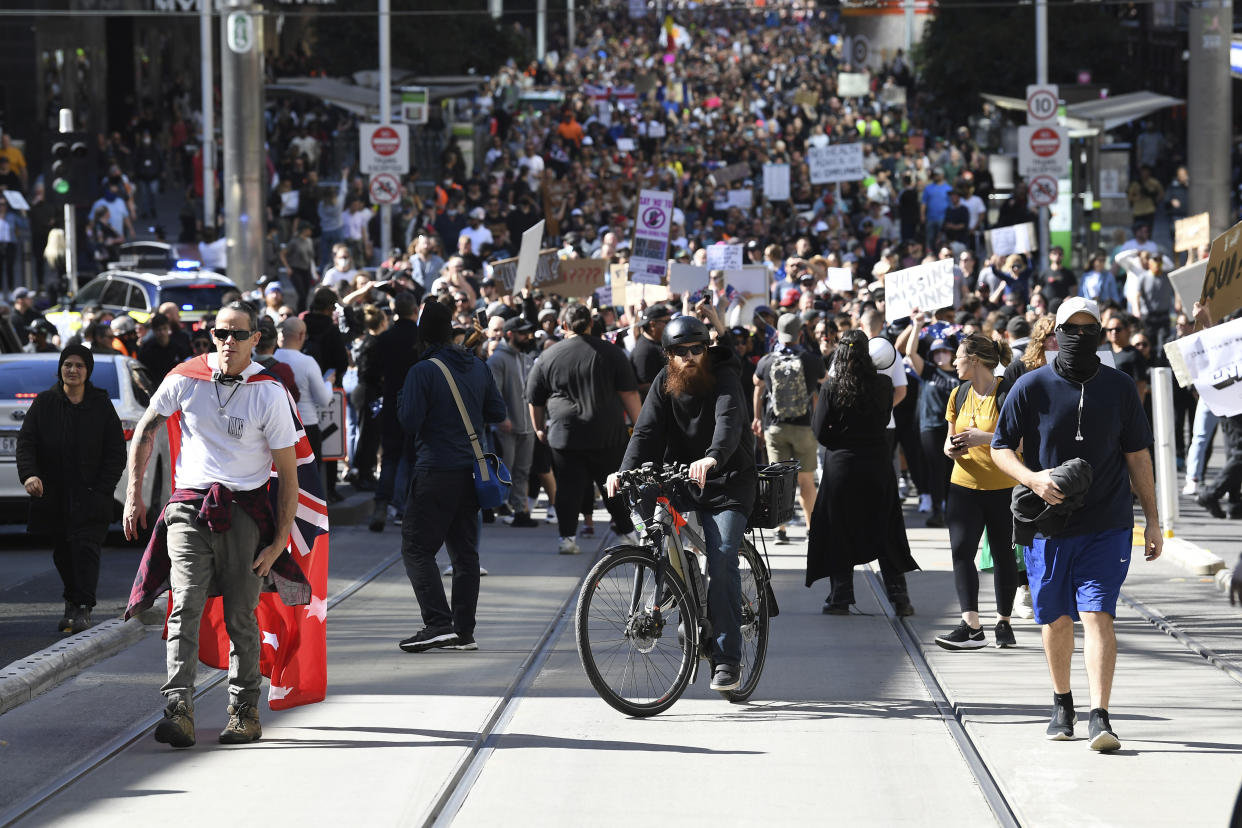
[{"x": 1076, "y": 360}]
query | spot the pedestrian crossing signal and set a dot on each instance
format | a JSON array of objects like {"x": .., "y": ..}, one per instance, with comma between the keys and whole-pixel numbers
[{"x": 68, "y": 166}]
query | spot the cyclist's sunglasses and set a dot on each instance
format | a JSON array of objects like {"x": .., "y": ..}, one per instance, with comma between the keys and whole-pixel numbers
[{"x": 686, "y": 350}]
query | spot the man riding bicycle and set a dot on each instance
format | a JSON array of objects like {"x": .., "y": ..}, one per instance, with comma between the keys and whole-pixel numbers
[{"x": 695, "y": 413}]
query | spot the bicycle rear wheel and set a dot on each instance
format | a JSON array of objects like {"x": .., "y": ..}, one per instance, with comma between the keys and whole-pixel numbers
[
  {"x": 638, "y": 663},
  {"x": 755, "y": 611}
]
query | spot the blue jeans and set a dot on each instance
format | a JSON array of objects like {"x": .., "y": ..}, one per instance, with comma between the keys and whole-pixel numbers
[
  {"x": 1204, "y": 430},
  {"x": 723, "y": 533}
]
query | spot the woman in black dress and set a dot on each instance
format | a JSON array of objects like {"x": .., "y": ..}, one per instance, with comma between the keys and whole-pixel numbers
[{"x": 857, "y": 516}]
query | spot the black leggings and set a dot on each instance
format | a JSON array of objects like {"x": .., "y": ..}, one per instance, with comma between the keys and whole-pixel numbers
[
  {"x": 937, "y": 467},
  {"x": 970, "y": 512}
]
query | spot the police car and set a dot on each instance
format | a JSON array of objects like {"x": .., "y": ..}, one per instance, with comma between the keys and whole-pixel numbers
[
  {"x": 23, "y": 376},
  {"x": 139, "y": 292}
]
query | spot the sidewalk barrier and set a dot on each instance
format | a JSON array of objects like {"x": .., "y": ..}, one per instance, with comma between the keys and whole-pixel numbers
[{"x": 1165, "y": 448}]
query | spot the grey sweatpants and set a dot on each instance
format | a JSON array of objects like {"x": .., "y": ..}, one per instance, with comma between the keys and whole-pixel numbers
[
  {"x": 199, "y": 558},
  {"x": 517, "y": 450}
]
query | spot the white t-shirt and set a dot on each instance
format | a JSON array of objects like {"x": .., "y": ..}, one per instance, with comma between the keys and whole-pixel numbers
[
  {"x": 478, "y": 236},
  {"x": 313, "y": 391},
  {"x": 234, "y": 448}
]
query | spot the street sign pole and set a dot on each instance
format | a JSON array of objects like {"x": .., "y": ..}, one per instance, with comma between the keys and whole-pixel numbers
[
  {"x": 385, "y": 93},
  {"x": 241, "y": 74},
  {"x": 206, "y": 83},
  {"x": 71, "y": 219},
  {"x": 1041, "y": 78}
]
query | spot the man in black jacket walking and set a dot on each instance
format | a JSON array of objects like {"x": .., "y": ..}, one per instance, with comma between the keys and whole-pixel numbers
[
  {"x": 696, "y": 413},
  {"x": 395, "y": 352},
  {"x": 70, "y": 455}
]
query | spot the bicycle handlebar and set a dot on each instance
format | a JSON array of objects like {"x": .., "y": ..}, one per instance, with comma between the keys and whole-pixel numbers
[{"x": 632, "y": 481}]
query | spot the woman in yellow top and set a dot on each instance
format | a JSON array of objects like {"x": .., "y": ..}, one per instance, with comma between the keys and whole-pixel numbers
[{"x": 978, "y": 492}]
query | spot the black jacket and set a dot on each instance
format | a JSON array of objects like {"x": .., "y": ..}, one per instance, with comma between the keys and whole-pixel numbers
[
  {"x": 395, "y": 351},
  {"x": 78, "y": 451},
  {"x": 1032, "y": 514},
  {"x": 683, "y": 429},
  {"x": 325, "y": 344}
]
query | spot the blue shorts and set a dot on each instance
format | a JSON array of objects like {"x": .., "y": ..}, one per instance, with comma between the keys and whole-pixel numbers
[{"x": 1082, "y": 573}]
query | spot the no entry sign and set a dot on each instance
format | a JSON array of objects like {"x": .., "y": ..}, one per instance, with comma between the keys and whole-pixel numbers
[
  {"x": 1043, "y": 151},
  {"x": 383, "y": 148}
]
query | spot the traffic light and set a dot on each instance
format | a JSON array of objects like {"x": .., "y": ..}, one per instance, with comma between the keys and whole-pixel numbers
[{"x": 69, "y": 161}]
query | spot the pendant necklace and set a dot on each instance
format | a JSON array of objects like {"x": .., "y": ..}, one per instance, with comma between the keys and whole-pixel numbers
[
  {"x": 977, "y": 399},
  {"x": 222, "y": 405}
]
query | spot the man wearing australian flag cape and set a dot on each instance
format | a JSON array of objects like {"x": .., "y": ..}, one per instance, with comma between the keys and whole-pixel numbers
[{"x": 242, "y": 545}]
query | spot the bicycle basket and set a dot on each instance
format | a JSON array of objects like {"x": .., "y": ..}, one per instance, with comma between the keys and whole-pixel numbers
[{"x": 774, "y": 496}]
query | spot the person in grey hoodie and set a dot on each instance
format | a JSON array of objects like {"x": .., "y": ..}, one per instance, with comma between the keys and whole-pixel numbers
[{"x": 510, "y": 363}]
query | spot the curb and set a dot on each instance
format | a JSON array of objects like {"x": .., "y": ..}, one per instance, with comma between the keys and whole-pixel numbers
[
  {"x": 355, "y": 508},
  {"x": 28, "y": 677},
  {"x": 1193, "y": 558}
]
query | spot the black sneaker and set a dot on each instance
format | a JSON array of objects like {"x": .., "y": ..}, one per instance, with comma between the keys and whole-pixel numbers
[
  {"x": 81, "y": 619},
  {"x": 1212, "y": 505},
  {"x": 726, "y": 677},
  {"x": 464, "y": 642},
  {"x": 489, "y": 516},
  {"x": 962, "y": 637},
  {"x": 781, "y": 537},
  {"x": 1003, "y": 635},
  {"x": 378, "y": 515},
  {"x": 1235, "y": 511},
  {"x": 835, "y": 609},
  {"x": 428, "y": 639},
  {"x": 1100, "y": 732},
  {"x": 65, "y": 624},
  {"x": 523, "y": 520},
  {"x": 1061, "y": 724},
  {"x": 935, "y": 521}
]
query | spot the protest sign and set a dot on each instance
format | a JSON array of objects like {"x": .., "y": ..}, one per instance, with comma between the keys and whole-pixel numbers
[
  {"x": 840, "y": 279},
  {"x": 853, "y": 84},
  {"x": 618, "y": 278},
  {"x": 684, "y": 278},
  {"x": 1222, "y": 288},
  {"x": 1005, "y": 241},
  {"x": 776, "y": 182},
  {"x": 636, "y": 294},
  {"x": 649, "y": 258},
  {"x": 835, "y": 162},
  {"x": 724, "y": 257},
  {"x": 927, "y": 287},
  {"x": 1191, "y": 233},
  {"x": 1188, "y": 283},
  {"x": 750, "y": 280},
  {"x": 16, "y": 200},
  {"x": 742, "y": 199},
  {"x": 577, "y": 277},
  {"x": 528, "y": 257},
  {"x": 1212, "y": 360},
  {"x": 604, "y": 296},
  {"x": 625, "y": 144},
  {"x": 731, "y": 173}
]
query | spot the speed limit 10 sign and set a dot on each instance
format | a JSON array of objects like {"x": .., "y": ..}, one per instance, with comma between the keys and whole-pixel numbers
[{"x": 1042, "y": 103}]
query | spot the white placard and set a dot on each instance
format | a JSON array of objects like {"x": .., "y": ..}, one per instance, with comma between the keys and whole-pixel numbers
[
  {"x": 1043, "y": 150},
  {"x": 724, "y": 257},
  {"x": 853, "y": 84},
  {"x": 625, "y": 144},
  {"x": 383, "y": 148},
  {"x": 16, "y": 200},
  {"x": 835, "y": 162},
  {"x": 655, "y": 129},
  {"x": 1213, "y": 359},
  {"x": 684, "y": 278},
  {"x": 751, "y": 280},
  {"x": 840, "y": 279},
  {"x": 741, "y": 199},
  {"x": 528, "y": 257},
  {"x": 649, "y": 257},
  {"x": 1018, "y": 238},
  {"x": 1188, "y": 283},
  {"x": 927, "y": 287},
  {"x": 776, "y": 182}
]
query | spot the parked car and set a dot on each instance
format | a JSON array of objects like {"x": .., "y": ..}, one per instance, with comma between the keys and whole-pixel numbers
[{"x": 24, "y": 376}]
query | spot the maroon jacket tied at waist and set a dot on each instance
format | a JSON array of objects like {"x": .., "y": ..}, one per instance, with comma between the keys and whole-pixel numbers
[{"x": 215, "y": 512}]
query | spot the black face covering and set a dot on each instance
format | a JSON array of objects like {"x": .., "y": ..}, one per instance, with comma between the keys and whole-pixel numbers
[{"x": 1076, "y": 360}]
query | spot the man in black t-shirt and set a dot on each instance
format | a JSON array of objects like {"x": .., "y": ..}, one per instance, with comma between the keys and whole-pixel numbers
[
  {"x": 1056, "y": 282},
  {"x": 956, "y": 219},
  {"x": 647, "y": 356},
  {"x": 1118, "y": 330},
  {"x": 580, "y": 392}
]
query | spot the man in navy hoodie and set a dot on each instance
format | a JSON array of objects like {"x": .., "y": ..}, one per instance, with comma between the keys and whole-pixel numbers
[{"x": 442, "y": 507}]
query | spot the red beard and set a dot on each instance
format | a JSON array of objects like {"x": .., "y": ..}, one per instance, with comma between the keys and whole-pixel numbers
[{"x": 688, "y": 378}]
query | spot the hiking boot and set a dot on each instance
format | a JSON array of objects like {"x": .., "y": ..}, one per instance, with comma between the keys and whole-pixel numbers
[
  {"x": 65, "y": 624},
  {"x": 1060, "y": 723},
  {"x": 523, "y": 520},
  {"x": 726, "y": 677},
  {"x": 1003, "y": 636},
  {"x": 429, "y": 638},
  {"x": 962, "y": 637},
  {"x": 243, "y": 726},
  {"x": 1100, "y": 733},
  {"x": 568, "y": 546},
  {"x": 177, "y": 726},
  {"x": 378, "y": 515},
  {"x": 81, "y": 619}
]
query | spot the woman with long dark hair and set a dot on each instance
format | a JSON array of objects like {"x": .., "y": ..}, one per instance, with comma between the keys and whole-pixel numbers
[
  {"x": 857, "y": 515},
  {"x": 979, "y": 493}
]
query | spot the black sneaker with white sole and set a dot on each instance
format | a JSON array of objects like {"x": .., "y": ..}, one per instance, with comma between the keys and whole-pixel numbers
[
  {"x": 1061, "y": 723},
  {"x": 1100, "y": 735},
  {"x": 464, "y": 642},
  {"x": 429, "y": 638},
  {"x": 962, "y": 637},
  {"x": 726, "y": 677},
  {"x": 1003, "y": 637}
]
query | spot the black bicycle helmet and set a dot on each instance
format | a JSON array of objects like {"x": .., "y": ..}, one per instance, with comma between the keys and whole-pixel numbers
[{"x": 684, "y": 330}]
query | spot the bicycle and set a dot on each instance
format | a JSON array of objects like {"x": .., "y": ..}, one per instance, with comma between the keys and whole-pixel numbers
[{"x": 641, "y": 623}]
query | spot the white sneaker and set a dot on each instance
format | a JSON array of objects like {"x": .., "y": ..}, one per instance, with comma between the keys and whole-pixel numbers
[
  {"x": 551, "y": 518},
  {"x": 628, "y": 539},
  {"x": 903, "y": 487},
  {"x": 448, "y": 570},
  {"x": 568, "y": 546},
  {"x": 1022, "y": 606},
  {"x": 1191, "y": 488},
  {"x": 925, "y": 503}
]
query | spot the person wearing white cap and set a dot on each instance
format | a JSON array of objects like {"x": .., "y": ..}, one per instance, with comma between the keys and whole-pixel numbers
[
  {"x": 476, "y": 232},
  {"x": 1078, "y": 409}
]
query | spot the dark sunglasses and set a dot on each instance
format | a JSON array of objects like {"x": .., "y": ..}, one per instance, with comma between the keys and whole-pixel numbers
[
  {"x": 223, "y": 334},
  {"x": 1078, "y": 330},
  {"x": 687, "y": 350}
]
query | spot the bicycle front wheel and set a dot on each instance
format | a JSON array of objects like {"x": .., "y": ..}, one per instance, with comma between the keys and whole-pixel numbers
[
  {"x": 755, "y": 611},
  {"x": 637, "y": 659}
]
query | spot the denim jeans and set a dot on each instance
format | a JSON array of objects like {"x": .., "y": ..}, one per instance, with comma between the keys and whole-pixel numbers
[
  {"x": 1202, "y": 434},
  {"x": 723, "y": 532}
]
